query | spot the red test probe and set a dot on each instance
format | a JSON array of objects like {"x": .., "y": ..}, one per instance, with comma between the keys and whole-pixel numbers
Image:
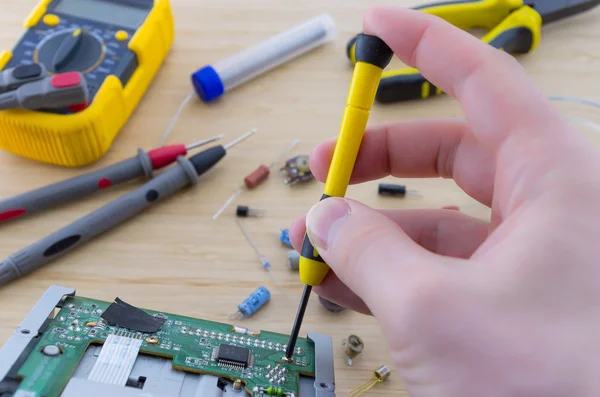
[{"x": 144, "y": 164}]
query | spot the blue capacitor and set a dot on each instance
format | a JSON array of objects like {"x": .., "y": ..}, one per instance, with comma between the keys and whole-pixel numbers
[
  {"x": 285, "y": 238},
  {"x": 254, "y": 302}
]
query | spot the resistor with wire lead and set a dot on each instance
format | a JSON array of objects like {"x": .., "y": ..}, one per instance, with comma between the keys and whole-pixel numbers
[
  {"x": 262, "y": 258},
  {"x": 254, "y": 179},
  {"x": 257, "y": 176},
  {"x": 252, "y": 303}
]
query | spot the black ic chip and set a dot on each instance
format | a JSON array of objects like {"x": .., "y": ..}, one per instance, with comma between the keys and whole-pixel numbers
[{"x": 233, "y": 355}]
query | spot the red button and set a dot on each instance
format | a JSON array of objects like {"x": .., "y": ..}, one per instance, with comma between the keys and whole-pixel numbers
[{"x": 65, "y": 80}]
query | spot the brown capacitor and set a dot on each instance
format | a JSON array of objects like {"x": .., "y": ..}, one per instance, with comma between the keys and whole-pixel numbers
[{"x": 257, "y": 176}]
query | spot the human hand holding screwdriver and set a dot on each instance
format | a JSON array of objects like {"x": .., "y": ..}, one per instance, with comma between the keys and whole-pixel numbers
[{"x": 470, "y": 308}]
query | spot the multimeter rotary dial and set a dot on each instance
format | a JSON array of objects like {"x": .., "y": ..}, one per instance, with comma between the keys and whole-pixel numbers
[{"x": 70, "y": 50}]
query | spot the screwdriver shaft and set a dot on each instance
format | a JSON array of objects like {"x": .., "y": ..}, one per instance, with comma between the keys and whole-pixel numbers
[{"x": 289, "y": 352}]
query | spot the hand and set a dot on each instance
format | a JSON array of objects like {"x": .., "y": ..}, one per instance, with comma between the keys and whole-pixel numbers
[{"x": 509, "y": 307}]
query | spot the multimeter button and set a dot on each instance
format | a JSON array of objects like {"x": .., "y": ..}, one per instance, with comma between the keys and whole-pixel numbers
[
  {"x": 27, "y": 71},
  {"x": 65, "y": 80},
  {"x": 121, "y": 35},
  {"x": 51, "y": 19}
]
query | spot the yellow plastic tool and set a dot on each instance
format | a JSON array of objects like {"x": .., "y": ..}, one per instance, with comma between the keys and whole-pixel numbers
[
  {"x": 513, "y": 26},
  {"x": 118, "y": 46},
  {"x": 372, "y": 56}
]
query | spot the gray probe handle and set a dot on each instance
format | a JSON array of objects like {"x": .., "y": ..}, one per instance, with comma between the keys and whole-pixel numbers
[
  {"x": 76, "y": 188},
  {"x": 84, "y": 229},
  {"x": 9, "y": 100}
]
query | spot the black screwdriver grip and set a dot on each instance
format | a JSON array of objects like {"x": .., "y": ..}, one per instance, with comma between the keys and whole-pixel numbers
[{"x": 372, "y": 50}]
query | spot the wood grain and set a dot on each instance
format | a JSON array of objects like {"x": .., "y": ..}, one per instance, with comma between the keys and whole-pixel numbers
[{"x": 174, "y": 257}]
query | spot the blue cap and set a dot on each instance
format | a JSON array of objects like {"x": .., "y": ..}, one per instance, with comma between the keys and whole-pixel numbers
[{"x": 207, "y": 83}]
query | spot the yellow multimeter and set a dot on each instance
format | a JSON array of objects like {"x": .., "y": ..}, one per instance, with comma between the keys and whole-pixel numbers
[{"x": 118, "y": 45}]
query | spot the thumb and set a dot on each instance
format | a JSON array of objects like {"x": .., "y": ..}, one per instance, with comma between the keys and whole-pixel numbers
[{"x": 368, "y": 251}]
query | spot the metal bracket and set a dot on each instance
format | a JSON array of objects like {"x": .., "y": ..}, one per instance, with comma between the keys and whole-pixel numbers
[
  {"x": 324, "y": 370},
  {"x": 15, "y": 350}
]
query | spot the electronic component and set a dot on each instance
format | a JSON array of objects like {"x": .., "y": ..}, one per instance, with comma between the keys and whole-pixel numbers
[
  {"x": 332, "y": 307},
  {"x": 353, "y": 346},
  {"x": 114, "y": 45},
  {"x": 244, "y": 331},
  {"x": 284, "y": 237},
  {"x": 36, "y": 361},
  {"x": 255, "y": 178},
  {"x": 293, "y": 259},
  {"x": 389, "y": 189},
  {"x": 212, "y": 81},
  {"x": 230, "y": 355},
  {"x": 252, "y": 303},
  {"x": 237, "y": 385},
  {"x": 381, "y": 374},
  {"x": 266, "y": 265},
  {"x": 297, "y": 170},
  {"x": 243, "y": 211}
]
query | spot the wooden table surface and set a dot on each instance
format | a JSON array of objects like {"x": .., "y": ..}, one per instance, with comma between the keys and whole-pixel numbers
[{"x": 174, "y": 257}]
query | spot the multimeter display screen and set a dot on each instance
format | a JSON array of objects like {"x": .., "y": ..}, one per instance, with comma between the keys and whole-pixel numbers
[{"x": 104, "y": 12}]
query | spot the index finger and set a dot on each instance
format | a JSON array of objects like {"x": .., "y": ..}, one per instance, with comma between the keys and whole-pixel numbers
[{"x": 496, "y": 95}]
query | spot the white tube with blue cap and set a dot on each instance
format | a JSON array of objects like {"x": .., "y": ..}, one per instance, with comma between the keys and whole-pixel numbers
[{"x": 212, "y": 81}]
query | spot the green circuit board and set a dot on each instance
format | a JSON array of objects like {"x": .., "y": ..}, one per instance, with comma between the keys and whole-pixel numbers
[{"x": 194, "y": 345}]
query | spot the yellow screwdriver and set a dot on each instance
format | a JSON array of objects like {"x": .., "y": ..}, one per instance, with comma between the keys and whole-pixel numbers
[{"x": 372, "y": 56}]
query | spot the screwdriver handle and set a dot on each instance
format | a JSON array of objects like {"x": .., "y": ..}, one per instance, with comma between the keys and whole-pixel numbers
[
  {"x": 105, "y": 218},
  {"x": 516, "y": 32},
  {"x": 75, "y": 188},
  {"x": 372, "y": 56}
]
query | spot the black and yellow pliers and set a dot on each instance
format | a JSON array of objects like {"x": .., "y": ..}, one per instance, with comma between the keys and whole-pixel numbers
[{"x": 513, "y": 26}]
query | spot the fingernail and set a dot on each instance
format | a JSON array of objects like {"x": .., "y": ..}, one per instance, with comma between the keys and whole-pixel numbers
[{"x": 324, "y": 219}]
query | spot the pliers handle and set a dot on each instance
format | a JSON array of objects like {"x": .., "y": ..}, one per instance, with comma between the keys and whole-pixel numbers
[{"x": 512, "y": 27}]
